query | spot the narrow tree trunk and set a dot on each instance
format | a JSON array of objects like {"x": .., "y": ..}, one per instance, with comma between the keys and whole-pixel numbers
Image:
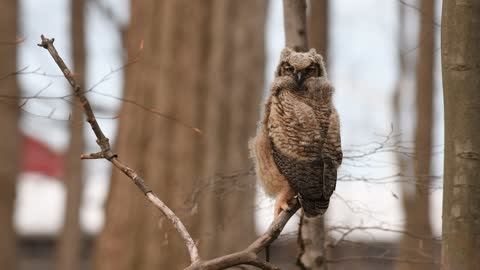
[
  {"x": 417, "y": 203},
  {"x": 312, "y": 241},
  {"x": 9, "y": 142},
  {"x": 70, "y": 242},
  {"x": 420, "y": 223},
  {"x": 399, "y": 95},
  {"x": 312, "y": 237},
  {"x": 405, "y": 164},
  {"x": 318, "y": 27},
  {"x": 416, "y": 199},
  {"x": 461, "y": 84},
  {"x": 242, "y": 61},
  {"x": 295, "y": 24},
  {"x": 202, "y": 63}
]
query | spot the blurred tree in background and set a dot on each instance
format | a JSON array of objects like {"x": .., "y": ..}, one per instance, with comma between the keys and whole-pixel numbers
[
  {"x": 10, "y": 135},
  {"x": 416, "y": 195},
  {"x": 318, "y": 26},
  {"x": 71, "y": 239},
  {"x": 201, "y": 62},
  {"x": 312, "y": 236}
]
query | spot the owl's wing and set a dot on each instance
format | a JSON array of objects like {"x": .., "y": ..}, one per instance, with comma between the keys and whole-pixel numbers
[
  {"x": 265, "y": 167},
  {"x": 332, "y": 154}
]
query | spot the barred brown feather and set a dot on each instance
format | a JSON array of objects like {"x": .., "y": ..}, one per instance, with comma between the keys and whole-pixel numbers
[{"x": 298, "y": 144}]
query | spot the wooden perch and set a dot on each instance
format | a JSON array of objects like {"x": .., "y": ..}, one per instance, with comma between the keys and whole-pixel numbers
[{"x": 248, "y": 256}]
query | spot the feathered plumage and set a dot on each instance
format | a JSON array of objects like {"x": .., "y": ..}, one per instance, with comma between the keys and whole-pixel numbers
[{"x": 297, "y": 149}]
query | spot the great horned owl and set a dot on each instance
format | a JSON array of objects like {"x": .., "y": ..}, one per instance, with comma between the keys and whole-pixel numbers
[{"x": 297, "y": 149}]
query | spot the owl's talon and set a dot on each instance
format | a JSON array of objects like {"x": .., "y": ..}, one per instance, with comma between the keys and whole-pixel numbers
[
  {"x": 279, "y": 207},
  {"x": 282, "y": 201}
]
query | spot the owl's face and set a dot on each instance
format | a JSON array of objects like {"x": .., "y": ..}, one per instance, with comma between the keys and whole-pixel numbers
[
  {"x": 300, "y": 74},
  {"x": 301, "y": 67}
]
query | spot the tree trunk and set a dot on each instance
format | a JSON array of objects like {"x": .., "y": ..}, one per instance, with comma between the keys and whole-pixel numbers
[
  {"x": 417, "y": 202},
  {"x": 318, "y": 27},
  {"x": 295, "y": 24},
  {"x": 70, "y": 242},
  {"x": 10, "y": 142},
  {"x": 312, "y": 237},
  {"x": 420, "y": 223},
  {"x": 461, "y": 84},
  {"x": 404, "y": 163},
  {"x": 202, "y": 64}
]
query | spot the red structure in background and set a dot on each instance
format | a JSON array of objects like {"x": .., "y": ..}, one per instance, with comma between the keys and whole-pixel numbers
[{"x": 39, "y": 158}]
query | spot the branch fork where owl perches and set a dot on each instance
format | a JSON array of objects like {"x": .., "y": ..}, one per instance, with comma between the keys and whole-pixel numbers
[{"x": 247, "y": 256}]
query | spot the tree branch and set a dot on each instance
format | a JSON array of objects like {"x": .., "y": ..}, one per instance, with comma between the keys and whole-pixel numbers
[
  {"x": 107, "y": 153},
  {"x": 248, "y": 256}
]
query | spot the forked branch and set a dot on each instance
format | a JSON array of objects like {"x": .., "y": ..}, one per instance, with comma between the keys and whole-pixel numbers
[
  {"x": 106, "y": 152},
  {"x": 248, "y": 256}
]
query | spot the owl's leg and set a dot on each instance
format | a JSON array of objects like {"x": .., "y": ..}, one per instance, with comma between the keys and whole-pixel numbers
[{"x": 282, "y": 200}]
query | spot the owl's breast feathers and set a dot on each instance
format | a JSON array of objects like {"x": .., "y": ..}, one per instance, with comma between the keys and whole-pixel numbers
[
  {"x": 297, "y": 131},
  {"x": 297, "y": 128}
]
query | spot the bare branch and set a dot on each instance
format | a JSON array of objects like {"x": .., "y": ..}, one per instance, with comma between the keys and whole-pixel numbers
[
  {"x": 249, "y": 255},
  {"x": 149, "y": 109},
  {"x": 412, "y": 6},
  {"x": 107, "y": 153},
  {"x": 381, "y": 258},
  {"x": 346, "y": 231}
]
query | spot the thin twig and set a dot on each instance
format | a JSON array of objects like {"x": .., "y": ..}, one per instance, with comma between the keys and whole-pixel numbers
[
  {"x": 107, "y": 153},
  {"x": 380, "y": 258}
]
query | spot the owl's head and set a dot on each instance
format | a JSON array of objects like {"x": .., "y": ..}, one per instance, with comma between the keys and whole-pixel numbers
[{"x": 301, "y": 66}]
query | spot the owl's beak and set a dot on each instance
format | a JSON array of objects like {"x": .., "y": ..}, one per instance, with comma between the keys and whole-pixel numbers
[{"x": 299, "y": 77}]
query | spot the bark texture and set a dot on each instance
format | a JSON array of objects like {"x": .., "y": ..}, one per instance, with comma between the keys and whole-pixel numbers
[
  {"x": 70, "y": 241},
  {"x": 9, "y": 132},
  {"x": 201, "y": 64},
  {"x": 312, "y": 238},
  {"x": 461, "y": 86}
]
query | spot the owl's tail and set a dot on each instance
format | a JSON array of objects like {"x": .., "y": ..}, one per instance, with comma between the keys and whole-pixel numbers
[{"x": 313, "y": 208}]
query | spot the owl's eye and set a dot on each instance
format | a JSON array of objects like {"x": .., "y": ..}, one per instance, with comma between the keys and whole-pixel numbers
[
  {"x": 288, "y": 68},
  {"x": 311, "y": 68}
]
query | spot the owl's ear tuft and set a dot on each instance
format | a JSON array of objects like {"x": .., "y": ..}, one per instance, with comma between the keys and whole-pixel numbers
[
  {"x": 284, "y": 55},
  {"x": 317, "y": 58},
  {"x": 286, "y": 52}
]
